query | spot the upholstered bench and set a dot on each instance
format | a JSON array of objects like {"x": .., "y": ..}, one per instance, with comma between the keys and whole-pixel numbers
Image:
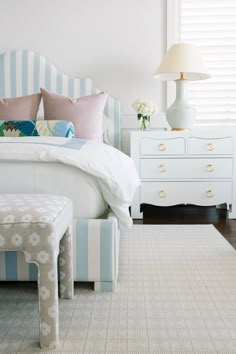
[{"x": 41, "y": 226}]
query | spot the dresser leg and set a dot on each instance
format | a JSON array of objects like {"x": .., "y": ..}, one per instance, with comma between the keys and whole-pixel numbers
[
  {"x": 135, "y": 214},
  {"x": 232, "y": 212}
]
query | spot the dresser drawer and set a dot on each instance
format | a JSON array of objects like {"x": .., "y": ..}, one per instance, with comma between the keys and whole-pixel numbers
[
  {"x": 202, "y": 146},
  {"x": 152, "y": 146},
  {"x": 199, "y": 193},
  {"x": 186, "y": 168}
]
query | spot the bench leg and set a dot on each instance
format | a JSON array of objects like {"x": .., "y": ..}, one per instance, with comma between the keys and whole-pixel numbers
[
  {"x": 66, "y": 266},
  {"x": 48, "y": 306},
  {"x": 48, "y": 302}
]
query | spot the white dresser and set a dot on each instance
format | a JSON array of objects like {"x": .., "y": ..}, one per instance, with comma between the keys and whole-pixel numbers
[{"x": 196, "y": 167}]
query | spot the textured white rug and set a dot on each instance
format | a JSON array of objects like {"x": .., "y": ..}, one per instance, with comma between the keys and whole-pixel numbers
[{"x": 176, "y": 294}]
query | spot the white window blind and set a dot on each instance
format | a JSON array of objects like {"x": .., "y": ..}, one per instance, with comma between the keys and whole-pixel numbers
[{"x": 211, "y": 25}]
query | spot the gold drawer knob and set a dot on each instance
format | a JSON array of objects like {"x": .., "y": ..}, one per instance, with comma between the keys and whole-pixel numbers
[
  {"x": 210, "y": 147},
  {"x": 162, "y": 147},
  {"x": 162, "y": 168},
  {"x": 210, "y": 193},
  {"x": 210, "y": 167},
  {"x": 162, "y": 193}
]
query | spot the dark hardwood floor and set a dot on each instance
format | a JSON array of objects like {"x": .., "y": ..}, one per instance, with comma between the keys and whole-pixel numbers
[{"x": 191, "y": 215}]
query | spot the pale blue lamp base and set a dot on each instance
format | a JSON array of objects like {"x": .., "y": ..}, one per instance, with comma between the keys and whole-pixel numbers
[{"x": 181, "y": 115}]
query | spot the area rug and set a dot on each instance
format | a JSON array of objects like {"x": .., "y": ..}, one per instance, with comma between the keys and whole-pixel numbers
[{"x": 176, "y": 294}]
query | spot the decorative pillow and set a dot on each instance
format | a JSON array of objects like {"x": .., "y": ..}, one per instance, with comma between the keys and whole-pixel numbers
[
  {"x": 17, "y": 128},
  {"x": 84, "y": 112},
  {"x": 20, "y": 108}
]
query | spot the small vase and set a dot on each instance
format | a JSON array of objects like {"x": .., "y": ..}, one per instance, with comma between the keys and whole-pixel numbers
[{"x": 145, "y": 123}]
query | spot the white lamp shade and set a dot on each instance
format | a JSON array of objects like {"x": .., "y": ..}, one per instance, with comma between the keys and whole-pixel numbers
[{"x": 182, "y": 57}]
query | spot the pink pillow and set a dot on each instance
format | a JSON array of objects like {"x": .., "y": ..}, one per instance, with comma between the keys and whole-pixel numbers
[
  {"x": 85, "y": 112},
  {"x": 20, "y": 108}
]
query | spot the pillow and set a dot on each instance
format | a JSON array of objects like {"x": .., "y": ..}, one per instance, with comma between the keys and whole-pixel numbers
[
  {"x": 84, "y": 112},
  {"x": 16, "y": 128},
  {"x": 20, "y": 108}
]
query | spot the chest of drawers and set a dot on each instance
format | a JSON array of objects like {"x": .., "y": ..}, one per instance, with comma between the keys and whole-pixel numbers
[{"x": 194, "y": 167}]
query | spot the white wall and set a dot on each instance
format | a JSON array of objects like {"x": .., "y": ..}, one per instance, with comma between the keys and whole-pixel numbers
[{"x": 118, "y": 43}]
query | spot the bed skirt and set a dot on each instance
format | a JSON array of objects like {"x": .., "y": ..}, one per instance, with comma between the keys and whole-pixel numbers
[{"x": 96, "y": 255}]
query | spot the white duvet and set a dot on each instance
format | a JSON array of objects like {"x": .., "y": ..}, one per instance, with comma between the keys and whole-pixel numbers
[{"x": 114, "y": 171}]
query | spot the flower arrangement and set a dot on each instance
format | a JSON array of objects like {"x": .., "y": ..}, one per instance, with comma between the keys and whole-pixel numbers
[{"x": 145, "y": 109}]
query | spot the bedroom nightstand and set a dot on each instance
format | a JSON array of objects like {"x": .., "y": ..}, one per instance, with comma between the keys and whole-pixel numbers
[{"x": 195, "y": 167}]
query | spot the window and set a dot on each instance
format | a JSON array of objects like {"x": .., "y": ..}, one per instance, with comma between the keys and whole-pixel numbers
[{"x": 211, "y": 25}]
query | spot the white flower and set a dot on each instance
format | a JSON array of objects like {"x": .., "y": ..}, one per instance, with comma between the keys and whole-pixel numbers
[
  {"x": 27, "y": 218},
  {"x": 6, "y": 208},
  {"x": 145, "y": 107},
  {"x": 43, "y": 257},
  {"x": 44, "y": 293},
  {"x": 62, "y": 262},
  {"x": 16, "y": 240},
  {"x": 51, "y": 275},
  {"x": 45, "y": 329},
  {"x": 51, "y": 239},
  {"x": 9, "y": 219},
  {"x": 62, "y": 248},
  {"x": 2, "y": 240},
  {"x": 34, "y": 239},
  {"x": 44, "y": 218},
  {"x": 52, "y": 311},
  {"x": 62, "y": 275}
]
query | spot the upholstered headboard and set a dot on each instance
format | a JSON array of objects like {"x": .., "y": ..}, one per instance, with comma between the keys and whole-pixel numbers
[{"x": 24, "y": 72}]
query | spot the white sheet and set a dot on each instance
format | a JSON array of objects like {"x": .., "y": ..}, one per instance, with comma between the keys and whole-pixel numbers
[
  {"x": 56, "y": 178},
  {"x": 114, "y": 171}
]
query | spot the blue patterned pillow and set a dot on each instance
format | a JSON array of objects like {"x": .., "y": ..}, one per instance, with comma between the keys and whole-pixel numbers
[{"x": 16, "y": 128}]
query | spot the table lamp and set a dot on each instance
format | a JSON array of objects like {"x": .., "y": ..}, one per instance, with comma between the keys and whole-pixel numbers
[{"x": 182, "y": 63}]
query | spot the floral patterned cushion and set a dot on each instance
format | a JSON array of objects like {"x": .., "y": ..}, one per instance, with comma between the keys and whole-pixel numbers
[
  {"x": 16, "y": 128},
  {"x": 30, "y": 208}
]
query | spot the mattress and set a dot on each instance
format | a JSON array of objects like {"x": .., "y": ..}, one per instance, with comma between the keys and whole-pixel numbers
[{"x": 55, "y": 178}]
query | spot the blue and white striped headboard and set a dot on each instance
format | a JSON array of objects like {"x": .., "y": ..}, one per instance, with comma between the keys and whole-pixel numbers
[{"x": 24, "y": 72}]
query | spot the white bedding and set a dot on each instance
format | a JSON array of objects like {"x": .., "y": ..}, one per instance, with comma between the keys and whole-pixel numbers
[
  {"x": 114, "y": 171},
  {"x": 58, "y": 178}
]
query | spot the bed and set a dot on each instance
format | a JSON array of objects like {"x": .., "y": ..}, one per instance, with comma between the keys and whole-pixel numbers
[{"x": 96, "y": 225}]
